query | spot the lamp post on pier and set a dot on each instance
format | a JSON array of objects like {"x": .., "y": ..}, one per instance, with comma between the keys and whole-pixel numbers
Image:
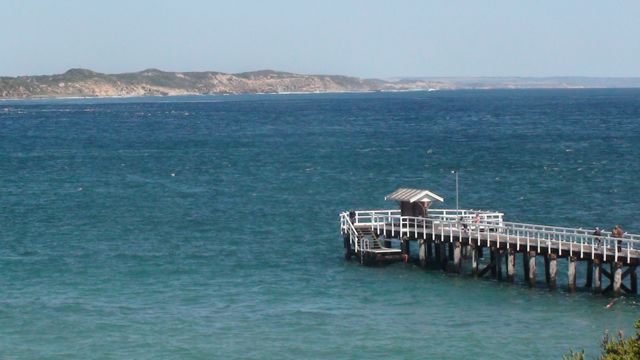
[{"x": 456, "y": 172}]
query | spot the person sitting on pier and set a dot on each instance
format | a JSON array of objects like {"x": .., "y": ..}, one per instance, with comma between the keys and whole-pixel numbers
[
  {"x": 597, "y": 233},
  {"x": 465, "y": 226}
]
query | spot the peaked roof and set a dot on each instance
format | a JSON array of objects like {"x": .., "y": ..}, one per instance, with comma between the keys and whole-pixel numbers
[{"x": 413, "y": 195}]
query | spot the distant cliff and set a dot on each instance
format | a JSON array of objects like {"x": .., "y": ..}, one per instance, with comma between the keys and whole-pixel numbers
[{"x": 153, "y": 82}]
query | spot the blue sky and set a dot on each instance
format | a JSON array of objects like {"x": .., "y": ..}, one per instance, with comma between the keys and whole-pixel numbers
[{"x": 361, "y": 38}]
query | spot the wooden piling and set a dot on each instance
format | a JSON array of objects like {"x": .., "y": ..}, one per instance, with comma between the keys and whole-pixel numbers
[
  {"x": 422, "y": 253},
  {"x": 571, "y": 261},
  {"x": 511, "y": 265},
  {"x": 634, "y": 280},
  {"x": 498, "y": 258},
  {"x": 547, "y": 277},
  {"x": 552, "y": 265},
  {"x": 474, "y": 260},
  {"x": 466, "y": 252},
  {"x": 597, "y": 276},
  {"x": 457, "y": 247},
  {"x": 589, "y": 277},
  {"x": 532, "y": 268},
  {"x": 525, "y": 266},
  {"x": 617, "y": 278},
  {"x": 348, "y": 253},
  {"x": 443, "y": 256},
  {"x": 429, "y": 249},
  {"x": 492, "y": 258},
  {"x": 438, "y": 253},
  {"x": 450, "y": 247}
]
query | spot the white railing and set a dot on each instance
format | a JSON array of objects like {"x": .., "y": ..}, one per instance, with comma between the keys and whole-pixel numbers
[
  {"x": 487, "y": 226},
  {"x": 572, "y": 241},
  {"x": 565, "y": 230},
  {"x": 464, "y": 215},
  {"x": 379, "y": 219},
  {"x": 370, "y": 216},
  {"x": 357, "y": 243}
]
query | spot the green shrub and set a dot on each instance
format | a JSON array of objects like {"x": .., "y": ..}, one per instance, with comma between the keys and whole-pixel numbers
[
  {"x": 614, "y": 349},
  {"x": 621, "y": 348}
]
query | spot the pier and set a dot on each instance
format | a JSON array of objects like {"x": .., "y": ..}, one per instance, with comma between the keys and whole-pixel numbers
[{"x": 455, "y": 240}]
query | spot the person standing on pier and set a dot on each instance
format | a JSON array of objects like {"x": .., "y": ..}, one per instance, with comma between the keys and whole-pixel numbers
[{"x": 618, "y": 233}]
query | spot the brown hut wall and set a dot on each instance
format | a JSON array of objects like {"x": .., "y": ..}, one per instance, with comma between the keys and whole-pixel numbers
[{"x": 406, "y": 208}]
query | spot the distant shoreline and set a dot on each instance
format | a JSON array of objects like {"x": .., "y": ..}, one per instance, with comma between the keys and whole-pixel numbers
[
  {"x": 124, "y": 97},
  {"x": 233, "y": 94},
  {"x": 86, "y": 84}
]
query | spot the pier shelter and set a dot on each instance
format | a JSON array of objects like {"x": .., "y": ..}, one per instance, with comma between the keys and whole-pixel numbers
[{"x": 414, "y": 202}]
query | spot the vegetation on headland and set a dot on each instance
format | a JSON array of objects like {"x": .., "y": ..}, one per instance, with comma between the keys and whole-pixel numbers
[
  {"x": 154, "y": 82},
  {"x": 617, "y": 348}
]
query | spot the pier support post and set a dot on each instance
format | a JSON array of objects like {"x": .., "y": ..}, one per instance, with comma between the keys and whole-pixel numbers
[
  {"x": 450, "y": 245},
  {"x": 347, "y": 248},
  {"x": 588, "y": 281},
  {"x": 597, "y": 276},
  {"x": 422, "y": 253},
  {"x": 511, "y": 265},
  {"x": 457, "y": 247},
  {"x": 474, "y": 260},
  {"x": 552, "y": 261},
  {"x": 617, "y": 278},
  {"x": 532, "y": 268},
  {"x": 572, "y": 273},
  {"x": 498, "y": 266},
  {"x": 547, "y": 274},
  {"x": 492, "y": 258},
  {"x": 466, "y": 251},
  {"x": 429, "y": 249},
  {"x": 480, "y": 251},
  {"x": 634, "y": 280},
  {"x": 525, "y": 266},
  {"x": 441, "y": 256},
  {"x": 438, "y": 253}
]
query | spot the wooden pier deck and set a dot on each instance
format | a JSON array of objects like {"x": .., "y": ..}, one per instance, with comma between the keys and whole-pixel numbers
[{"x": 446, "y": 238}]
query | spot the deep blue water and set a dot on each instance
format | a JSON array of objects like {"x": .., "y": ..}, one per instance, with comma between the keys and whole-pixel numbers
[{"x": 207, "y": 227}]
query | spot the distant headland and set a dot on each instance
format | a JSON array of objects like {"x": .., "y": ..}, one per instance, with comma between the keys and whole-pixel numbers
[{"x": 153, "y": 82}]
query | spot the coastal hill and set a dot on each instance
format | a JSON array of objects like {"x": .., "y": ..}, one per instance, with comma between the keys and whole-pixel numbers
[{"x": 153, "y": 82}]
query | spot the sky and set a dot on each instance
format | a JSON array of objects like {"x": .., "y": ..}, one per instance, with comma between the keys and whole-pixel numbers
[{"x": 370, "y": 39}]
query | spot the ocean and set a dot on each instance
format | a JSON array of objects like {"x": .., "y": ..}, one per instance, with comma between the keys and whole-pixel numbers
[{"x": 206, "y": 227}]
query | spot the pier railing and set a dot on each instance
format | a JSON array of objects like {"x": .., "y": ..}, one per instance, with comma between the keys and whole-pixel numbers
[
  {"x": 369, "y": 216},
  {"x": 487, "y": 227},
  {"x": 358, "y": 244}
]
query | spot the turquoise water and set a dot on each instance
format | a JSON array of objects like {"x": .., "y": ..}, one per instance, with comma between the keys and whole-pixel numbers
[{"x": 207, "y": 227}]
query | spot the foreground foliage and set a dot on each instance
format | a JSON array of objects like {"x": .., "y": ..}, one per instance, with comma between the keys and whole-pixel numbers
[{"x": 614, "y": 349}]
